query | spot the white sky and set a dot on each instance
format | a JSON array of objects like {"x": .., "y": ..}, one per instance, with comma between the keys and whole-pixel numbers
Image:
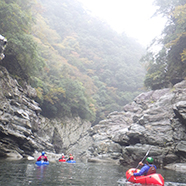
[{"x": 130, "y": 16}]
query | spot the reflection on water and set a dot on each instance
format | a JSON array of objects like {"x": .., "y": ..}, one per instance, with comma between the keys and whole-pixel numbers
[
  {"x": 23, "y": 173},
  {"x": 40, "y": 172}
]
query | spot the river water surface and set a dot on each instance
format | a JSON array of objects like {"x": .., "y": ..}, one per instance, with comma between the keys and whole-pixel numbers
[{"x": 22, "y": 173}]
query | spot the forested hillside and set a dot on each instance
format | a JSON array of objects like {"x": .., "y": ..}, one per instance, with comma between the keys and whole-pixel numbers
[{"x": 77, "y": 63}]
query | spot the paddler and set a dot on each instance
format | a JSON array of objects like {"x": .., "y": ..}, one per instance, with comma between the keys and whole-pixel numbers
[
  {"x": 70, "y": 157},
  {"x": 148, "y": 168},
  {"x": 62, "y": 157},
  {"x": 42, "y": 157}
]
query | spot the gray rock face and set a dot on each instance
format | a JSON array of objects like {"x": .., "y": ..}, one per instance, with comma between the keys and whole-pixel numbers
[
  {"x": 18, "y": 116},
  {"x": 24, "y": 132},
  {"x": 3, "y": 43},
  {"x": 155, "y": 118}
]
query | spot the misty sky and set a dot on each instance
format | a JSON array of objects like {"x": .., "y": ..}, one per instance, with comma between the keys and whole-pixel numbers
[{"x": 130, "y": 16}]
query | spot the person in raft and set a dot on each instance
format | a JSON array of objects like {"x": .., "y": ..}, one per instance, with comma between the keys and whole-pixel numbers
[
  {"x": 42, "y": 157},
  {"x": 62, "y": 157},
  {"x": 70, "y": 157},
  {"x": 148, "y": 168}
]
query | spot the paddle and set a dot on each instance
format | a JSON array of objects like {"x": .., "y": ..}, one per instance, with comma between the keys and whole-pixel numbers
[{"x": 141, "y": 161}]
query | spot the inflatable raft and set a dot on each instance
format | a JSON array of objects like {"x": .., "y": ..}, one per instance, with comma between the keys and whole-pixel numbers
[
  {"x": 62, "y": 160},
  {"x": 42, "y": 162},
  {"x": 71, "y": 161},
  {"x": 152, "y": 179}
]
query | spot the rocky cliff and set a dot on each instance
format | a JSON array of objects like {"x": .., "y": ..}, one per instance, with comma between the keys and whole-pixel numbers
[
  {"x": 24, "y": 132},
  {"x": 154, "y": 119}
]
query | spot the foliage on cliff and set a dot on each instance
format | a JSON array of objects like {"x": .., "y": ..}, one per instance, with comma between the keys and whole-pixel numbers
[
  {"x": 168, "y": 66},
  {"x": 22, "y": 57},
  {"x": 79, "y": 66}
]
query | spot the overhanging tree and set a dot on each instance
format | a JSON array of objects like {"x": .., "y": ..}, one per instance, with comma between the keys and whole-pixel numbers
[{"x": 169, "y": 65}]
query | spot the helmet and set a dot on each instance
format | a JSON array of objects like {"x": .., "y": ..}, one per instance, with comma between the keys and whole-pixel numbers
[
  {"x": 43, "y": 153},
  {"x": 149, "y": 160}
]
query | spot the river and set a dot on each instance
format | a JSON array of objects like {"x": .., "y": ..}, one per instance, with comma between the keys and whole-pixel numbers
[{"x": 24, "y": 172}]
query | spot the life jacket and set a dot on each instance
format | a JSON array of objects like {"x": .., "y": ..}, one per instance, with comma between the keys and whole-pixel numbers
[
  {"x": 71, "y": 157},
  {"x": 43, "y": 158},
  {"x": 151, "y": 170}
]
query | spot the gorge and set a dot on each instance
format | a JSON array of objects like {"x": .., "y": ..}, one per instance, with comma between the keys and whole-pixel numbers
[{"x": 154, "y": 119}]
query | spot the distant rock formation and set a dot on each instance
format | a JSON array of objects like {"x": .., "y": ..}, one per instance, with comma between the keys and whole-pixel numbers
[{"x": 155, "y": 118}]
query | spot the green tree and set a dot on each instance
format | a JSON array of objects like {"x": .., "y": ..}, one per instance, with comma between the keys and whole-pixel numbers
[
  {"x": 168, "y": 66},
  {"x": 22, "y": 58}
]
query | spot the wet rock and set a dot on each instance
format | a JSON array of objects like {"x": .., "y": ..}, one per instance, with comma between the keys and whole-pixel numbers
[{"x": 177, "y": 167}]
